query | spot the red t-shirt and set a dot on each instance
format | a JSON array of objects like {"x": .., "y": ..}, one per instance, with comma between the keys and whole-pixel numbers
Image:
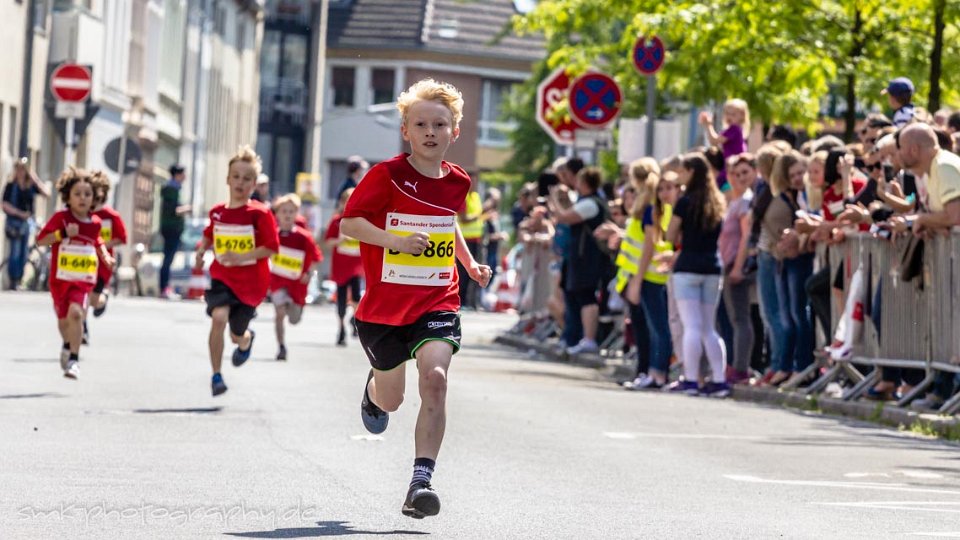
[
  {"x": 297, "y": 254},
  {"x": 242, "y": 230},
  {"x": 346, "y": 262},
  {"x": 415, "y": 202},
  {"x": 111, "y": 228},
  {"x": 834, "y": 203},
  {"x": 79, "y": 256}
]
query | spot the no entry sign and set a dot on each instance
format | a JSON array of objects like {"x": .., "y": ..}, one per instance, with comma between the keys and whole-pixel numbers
[
  {"x": 71, "y": 82},
  {"x": 595, "y": 100},
  {"x": 648, "y": 55}
]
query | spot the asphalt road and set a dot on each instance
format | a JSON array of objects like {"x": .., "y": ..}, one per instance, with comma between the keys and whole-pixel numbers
[{"x": 137, "y": 448}]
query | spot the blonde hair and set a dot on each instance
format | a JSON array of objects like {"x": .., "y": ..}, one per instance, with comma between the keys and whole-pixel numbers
[
  {"x": 814, "y": 193},
  {"x": 644, "y": 173},
  {"x": 431, "y": 90},
  {"x": 740, "y": 105},
  {"x": 766, "y": 157},
  {"x": 289, "y": 198},
  {"x": 780, "y": 178},
  {"x": 247, "y": 155}
]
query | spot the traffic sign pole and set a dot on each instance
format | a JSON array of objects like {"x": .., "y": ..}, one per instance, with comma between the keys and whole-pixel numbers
[
  {"x": 651, "y": 106},
  {"x": 68, "y": 147}
]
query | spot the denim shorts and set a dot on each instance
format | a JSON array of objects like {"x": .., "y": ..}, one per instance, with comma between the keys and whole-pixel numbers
[{"x": 703, "y": 288}]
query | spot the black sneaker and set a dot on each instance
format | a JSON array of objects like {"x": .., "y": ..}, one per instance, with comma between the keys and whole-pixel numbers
[
  {"x": 240, "y": 356},
  {"x": 217, "y": 385},
  {"x": 353, "y": 325},
  {"x": 374, "y": 418},
  {"x": 282, "y": 353},
  {"x": 422, "y": 501},
  {"x": 99, "y": 311},
  {"x": 342, "y": 338}
]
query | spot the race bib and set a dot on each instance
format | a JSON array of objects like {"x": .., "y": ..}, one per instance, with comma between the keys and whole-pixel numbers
[
  {"x": 348, "y": 246},
  {"x": 77, "y": 262},
  {"x": 106, "y": 230},
  {"x": 435, "y": 266},
  {"x": 288, "y": 262},
  {"x": 235, "y": 238}
]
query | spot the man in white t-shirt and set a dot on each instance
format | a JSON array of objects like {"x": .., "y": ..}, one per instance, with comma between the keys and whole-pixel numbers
[{"x": 920, "y": 153}]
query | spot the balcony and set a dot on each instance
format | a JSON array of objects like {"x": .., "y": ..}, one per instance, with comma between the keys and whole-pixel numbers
[{"x": 284, "y": 101}]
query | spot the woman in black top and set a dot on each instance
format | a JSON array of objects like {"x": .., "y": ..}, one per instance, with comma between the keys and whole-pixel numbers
[
  {"x": 695, "y": 226},
  {"x": 18, "y": 200}
]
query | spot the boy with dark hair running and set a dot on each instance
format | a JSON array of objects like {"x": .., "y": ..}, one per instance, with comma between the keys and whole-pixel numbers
[
  {"x": 78, "y": 251},
  {"x": 113, "y": 232},
  {"x": 404, "y": 214},
  {"x": 243, "y": 235}
]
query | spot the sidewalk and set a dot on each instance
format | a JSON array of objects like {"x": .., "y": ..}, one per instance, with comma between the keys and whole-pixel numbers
[{"x": 618, "y": 368}]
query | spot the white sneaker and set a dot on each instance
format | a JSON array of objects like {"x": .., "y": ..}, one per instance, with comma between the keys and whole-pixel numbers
[
  {"x": 630, "y": 385},
  {"x": 585, "y": 346},
  {"x": 64, "y": 357},
  {"x": 73, "y": 370}
]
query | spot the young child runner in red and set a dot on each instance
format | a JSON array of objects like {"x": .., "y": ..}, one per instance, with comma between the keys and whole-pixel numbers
[
  {"x": 78, "y": 251},
  {"x": 346, "y": 268},
  {"x": 292, "y": 268},
  {"x": 113, "y": 232},
  {"x": 404, "y": 214},
  {"x": 243, "y": 235}
]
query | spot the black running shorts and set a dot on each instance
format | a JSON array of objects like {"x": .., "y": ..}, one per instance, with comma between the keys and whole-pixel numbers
[
  {"x": 389, "y": 346},
  {"x": 241, "y": 314}
]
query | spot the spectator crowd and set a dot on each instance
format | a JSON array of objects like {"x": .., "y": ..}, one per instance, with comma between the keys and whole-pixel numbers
[{"x": 706, "y": 261}]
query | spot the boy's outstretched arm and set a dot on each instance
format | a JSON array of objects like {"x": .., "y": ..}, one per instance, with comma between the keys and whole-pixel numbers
[{"x": 480, "y": 273}]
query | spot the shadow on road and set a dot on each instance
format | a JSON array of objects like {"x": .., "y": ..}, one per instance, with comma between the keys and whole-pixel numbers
[
  {"x": 36, "y": 360},
  {"x": 26, "y": 396},
  {"x": 324, "y": 528},
  {"x": 191, "y": 410}
]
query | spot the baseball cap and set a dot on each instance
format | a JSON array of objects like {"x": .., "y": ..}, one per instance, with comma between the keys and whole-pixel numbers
[
  {"x": 899, "y": 86},
  {"x": 176, "y": 169},
  {"x": 263, "y": 179}
]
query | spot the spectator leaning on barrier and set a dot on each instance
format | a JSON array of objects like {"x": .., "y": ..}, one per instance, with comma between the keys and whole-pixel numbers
[
  {"x": 920, "y": 153},
  {"x": 586, "y": 264},
  {"x": 536, "y": 281},
  {"x": 563, "y": 194}
]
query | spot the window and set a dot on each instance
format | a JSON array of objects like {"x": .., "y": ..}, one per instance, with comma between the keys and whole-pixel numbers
[
  {"x": 40, "y": 11},
  {"x": 382, "y": 82},
  {"x": 296, "y": 52},
  {"x": 343, "y": 86},
  {"x": 12, "y": 145},
  {"x": 493, "y": 130},
  {"x": 270, "y": 57}
]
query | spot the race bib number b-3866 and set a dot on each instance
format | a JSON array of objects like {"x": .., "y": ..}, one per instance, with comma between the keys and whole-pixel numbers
[{"x": 435, "y": 265}]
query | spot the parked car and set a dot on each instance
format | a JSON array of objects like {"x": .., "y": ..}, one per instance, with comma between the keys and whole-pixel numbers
[{"x": 180, "y": 270}]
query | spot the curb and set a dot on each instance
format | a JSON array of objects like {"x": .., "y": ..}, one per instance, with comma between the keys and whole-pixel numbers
[{"x": 946, "y": 427}]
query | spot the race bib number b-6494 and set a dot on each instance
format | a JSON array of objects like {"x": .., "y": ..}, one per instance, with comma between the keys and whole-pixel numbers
[
  {"x": 77, "y": 262},
  {"x": 435, "y": 265},
  {"x": 288, "y": 262},
  {"x": 235, "y": 238}
]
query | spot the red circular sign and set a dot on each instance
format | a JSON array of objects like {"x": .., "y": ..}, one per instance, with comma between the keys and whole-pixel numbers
[
  {"x": 71, "y": 82},
  {"x": 648, "y": 55},
  {"x": 595, "y": 100}
]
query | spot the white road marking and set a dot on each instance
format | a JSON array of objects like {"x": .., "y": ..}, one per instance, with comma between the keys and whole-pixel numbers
[
  {"x": 937, "y": 534},
  {"x": 905, "y": 488},
  {"x": 628, "y": 435},
  {"x": 909, "y": 474},
  {"x": 913, "y": 506},
  {"x": 366, "y": 437}
]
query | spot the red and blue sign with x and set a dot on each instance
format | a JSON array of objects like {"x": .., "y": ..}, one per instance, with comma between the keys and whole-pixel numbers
[
  {"x": 648, "y": 55},
  {"x": 595, "y": 100}
]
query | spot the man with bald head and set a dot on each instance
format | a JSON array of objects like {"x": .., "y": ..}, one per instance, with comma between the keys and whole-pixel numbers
[{"x": 920, "y": 153}]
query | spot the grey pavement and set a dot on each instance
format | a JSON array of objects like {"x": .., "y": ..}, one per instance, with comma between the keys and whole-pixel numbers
[{"x": 137, "y": 448}]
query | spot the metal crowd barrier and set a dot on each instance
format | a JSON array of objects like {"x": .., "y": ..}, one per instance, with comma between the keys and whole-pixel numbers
[{"x": 918, "y": 319}]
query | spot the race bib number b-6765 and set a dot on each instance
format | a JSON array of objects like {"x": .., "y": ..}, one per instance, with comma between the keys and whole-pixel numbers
[
  {"x": 235, "y": 238},
  {"x": 435, "y": 265}
]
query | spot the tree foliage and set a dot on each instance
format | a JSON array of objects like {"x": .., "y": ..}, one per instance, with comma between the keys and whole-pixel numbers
[{"x": 783, "y": 58}]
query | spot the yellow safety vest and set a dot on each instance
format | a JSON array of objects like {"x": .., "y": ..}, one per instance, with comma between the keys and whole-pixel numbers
[
  {"x": 631, "y": 249},
  {"x": 474, "y": 229}
]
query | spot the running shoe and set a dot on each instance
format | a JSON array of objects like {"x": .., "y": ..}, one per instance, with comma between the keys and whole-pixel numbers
[
  {"x": 64, "y": 358},
  {"x": 342, "y": 338},
  {"x": 422, "y": 501},
  {"x": 715, "y": 390},
  {"x": 645, "y": 382},
  {"x": 630, "y": 384},
  {"x": 73, "y": 370},
  {"x": 240, "y": 356},
  {"x": 585, "y": 346},
  {"x": 282, "y": 353},
  {"x": 99, "y": 311},
  {"x": 374, "y": 418},
  {"x": 217, "y": 384},
  {"x": 689, "y": 388},
  {"x": 353, "y": 325}
]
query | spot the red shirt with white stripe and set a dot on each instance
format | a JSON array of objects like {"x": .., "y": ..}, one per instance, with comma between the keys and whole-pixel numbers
[
  {"x": 394, "y": 186},
  {"x": 111, "y": 228},
  {"x": 242, "y": 230},
  {"x": 299, "y": 251}
]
